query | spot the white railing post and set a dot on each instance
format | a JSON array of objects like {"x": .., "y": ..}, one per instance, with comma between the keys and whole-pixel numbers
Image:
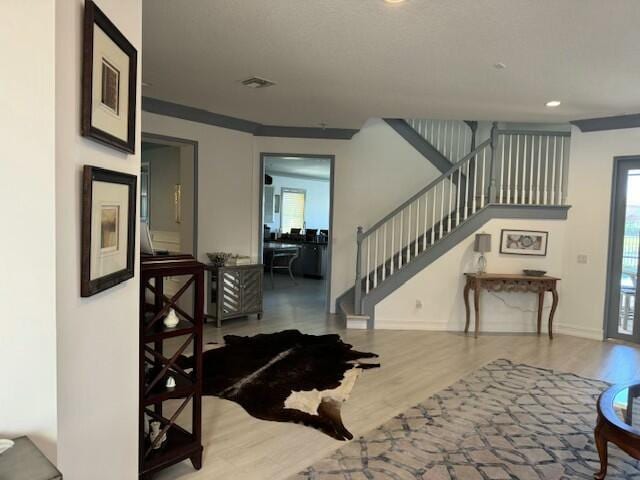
[{"x": 358, "y": 286}]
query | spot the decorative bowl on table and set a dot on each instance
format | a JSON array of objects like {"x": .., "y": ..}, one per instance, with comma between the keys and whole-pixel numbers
[
  {"x": 219, "y": 259},
  {"x": 534, "y": 273}
]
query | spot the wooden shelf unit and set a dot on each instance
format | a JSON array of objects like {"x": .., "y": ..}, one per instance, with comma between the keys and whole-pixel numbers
[{"x": 156, "y": 367}]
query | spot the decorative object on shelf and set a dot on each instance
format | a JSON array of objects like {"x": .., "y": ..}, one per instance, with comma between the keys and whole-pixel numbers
[
  {"x": 171, "y": 320},
  {"x": 163, "y": 379},
  {"x": 108, "y": 229},
  {"x": 5, "y": 444},
  {"x": 524, "y": 242},
  {"x": 534, "y": 273},
  {"x": 286, "y": 376},
  {"x": 155, "y": 431},
  {"x": 219, "y": 259},
  {"x": 238, "y": 260},
  {"x": 109, "y": 82},
  {"x": 482, "y": 244}
]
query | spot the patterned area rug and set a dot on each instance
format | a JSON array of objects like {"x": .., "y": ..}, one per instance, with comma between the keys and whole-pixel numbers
[{"x": 505, "y": 421}]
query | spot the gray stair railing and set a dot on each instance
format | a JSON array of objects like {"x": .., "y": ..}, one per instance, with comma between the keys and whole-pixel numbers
[
  {"x": 452, "y": 138},
  {"x": 511, "y": 167}
]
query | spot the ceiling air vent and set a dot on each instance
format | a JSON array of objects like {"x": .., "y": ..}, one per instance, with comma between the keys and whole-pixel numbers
[{"x": 257, "y": 82}]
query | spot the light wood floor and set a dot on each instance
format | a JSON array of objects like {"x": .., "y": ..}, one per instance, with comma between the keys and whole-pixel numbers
[{"x": 414, "y": 366}]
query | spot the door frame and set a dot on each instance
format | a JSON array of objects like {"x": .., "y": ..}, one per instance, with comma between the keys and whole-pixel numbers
[
  {"x": 332, "y": 160},
  {"x": 176, "y": 141},
  {"x": 614, "y": 266}
]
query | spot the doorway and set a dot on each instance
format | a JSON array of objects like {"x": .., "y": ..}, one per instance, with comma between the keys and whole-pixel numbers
[
  {"x": 296, "y": 224},
  {"x": 622, "y": 317},
  {"x": 169, "y": 200}
]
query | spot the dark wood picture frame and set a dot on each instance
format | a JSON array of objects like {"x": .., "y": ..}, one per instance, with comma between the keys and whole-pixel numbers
[
  {"x": 92, "y": 174},
  {"x": 542, "y": 254},
  {"x": 94, "y": 16}
]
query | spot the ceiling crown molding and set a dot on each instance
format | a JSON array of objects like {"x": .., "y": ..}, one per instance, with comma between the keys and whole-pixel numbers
[
  {"x": 608, "y": 123},
  {"x": 185, "y": 112}
]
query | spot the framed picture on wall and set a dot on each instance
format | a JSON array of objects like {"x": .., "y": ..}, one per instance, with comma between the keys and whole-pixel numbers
[
  {"x": 108, "y": 229},
  {"x": 109, "y": 71},
  {"x": 524, "y": 242}
]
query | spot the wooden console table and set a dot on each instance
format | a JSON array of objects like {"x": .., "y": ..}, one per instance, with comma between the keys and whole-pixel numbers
[{"x": 504, "y": 282}]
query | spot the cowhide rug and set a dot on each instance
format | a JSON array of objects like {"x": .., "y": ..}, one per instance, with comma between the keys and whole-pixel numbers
[{"x": 286, "y": 377}]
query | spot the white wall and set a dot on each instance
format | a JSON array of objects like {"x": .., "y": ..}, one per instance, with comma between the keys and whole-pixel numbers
[
  {"x": 98, "y": 336},
  {"x": 27, "y": 243},
  {"x": 439, "y": 287},
  {"x": 374, "y": 172},
  {"x": 590, "y": 181},
  {"x": 316, "y": 203}
]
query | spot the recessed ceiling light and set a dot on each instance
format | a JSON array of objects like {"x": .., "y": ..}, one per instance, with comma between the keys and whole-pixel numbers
[
  {"x": 552, "y": 103},
  {"x": 499, "y": 66},
  {"x": 393, "y": 1}
]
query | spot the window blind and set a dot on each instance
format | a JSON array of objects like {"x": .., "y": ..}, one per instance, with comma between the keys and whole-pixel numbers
[{"x": 292, "y": 209}]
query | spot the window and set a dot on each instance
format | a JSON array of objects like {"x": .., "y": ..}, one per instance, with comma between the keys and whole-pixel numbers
[{"x": 292, "y": 209}]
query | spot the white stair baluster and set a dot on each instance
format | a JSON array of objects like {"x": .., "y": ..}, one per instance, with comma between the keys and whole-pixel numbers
[
  {"x": 553, "y": 173},
  {"x": 393, "y": 250},
  {"x": 466, "y": 191},
  {"x": 441, "y": 210},
  {"x": 482, "y": 192},
  {"x": 523, "y": 199},
  {"x": 426, "y": 215},
  {"x": 400, "y": 236},
  {"x": 417, "y": 242},
  {"x": 561, "y": 172},
  {"x": 433, "y": 216},
  {"x": 531, "y": 171},
  {"x": 458, "y": 196},
  {"x": 384, "y": 252},
  {"x": 475, "y": 182},
  {"x": 409, "y": 235},
  {"x": 375, "y": 263},
  {"x": 538, "y": 176},
  {"x": 515, "y": 187},
  {"x": 510, "y": 154},
  {"x": 504, "y": 140},
  {"x": 368, "y": 265}
]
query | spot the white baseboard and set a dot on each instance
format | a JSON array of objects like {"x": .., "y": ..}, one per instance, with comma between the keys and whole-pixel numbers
[
  {"x": 493, "y": 327},
  {"x": 357, "y": 322},
  {"x": 582, "y": 332}
]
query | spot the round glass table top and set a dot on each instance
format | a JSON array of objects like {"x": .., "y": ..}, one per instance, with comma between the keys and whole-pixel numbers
[{"x": 626, "y": 406}]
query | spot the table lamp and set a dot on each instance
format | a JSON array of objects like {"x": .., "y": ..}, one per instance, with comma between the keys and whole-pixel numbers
[{"x": 482, "y": 245}]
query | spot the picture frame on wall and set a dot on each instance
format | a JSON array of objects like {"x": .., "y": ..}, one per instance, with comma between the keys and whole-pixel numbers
[
  {"x": 108, "y": 229},
  {"x": 524, "y": 242},
  {"x": 109, "y": 82}
]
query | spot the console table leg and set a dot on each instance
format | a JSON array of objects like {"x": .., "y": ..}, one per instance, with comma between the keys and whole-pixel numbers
[
  {"x": 601, "y": 445},
  {"x": 554, "y": 305},
  {"x": 196, "y": 460},
  {"x": 540, "y": 308},
  {"x": 476, "y": 307},
  {"x": 466, "y": 307}
]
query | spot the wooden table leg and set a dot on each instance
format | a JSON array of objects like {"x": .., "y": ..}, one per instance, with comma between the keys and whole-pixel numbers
[
  {"x": 554, "y": 305},
  {"x": 467, "y": 287},
  {"x": 476, "y": 307},
  {"x": 540, "y": 308},
  {"x": 601, "y": 445}
]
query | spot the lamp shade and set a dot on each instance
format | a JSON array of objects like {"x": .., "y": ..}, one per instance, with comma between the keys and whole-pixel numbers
[{"x": 482, "y": 243}]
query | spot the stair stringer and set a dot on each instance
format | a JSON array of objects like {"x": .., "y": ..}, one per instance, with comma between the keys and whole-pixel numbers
[
  {"x": 422, "y": 145},
  {"x": 463, "y": 231}
]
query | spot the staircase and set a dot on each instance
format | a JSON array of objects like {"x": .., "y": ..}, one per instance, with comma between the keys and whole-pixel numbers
[{"x": 513, "y": 174}]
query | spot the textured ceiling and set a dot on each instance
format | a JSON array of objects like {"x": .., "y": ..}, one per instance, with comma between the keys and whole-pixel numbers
[{"x": 340, "y": 62}]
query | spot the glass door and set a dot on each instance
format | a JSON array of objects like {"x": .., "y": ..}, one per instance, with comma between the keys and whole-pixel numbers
[{"x": 623, "y": 318}]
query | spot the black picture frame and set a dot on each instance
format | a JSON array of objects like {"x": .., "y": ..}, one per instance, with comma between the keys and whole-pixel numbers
[
  {"x": 91, "y": 174},
  {"x": 94, "y": 16},
  {"x": 541, "y": 253}
]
